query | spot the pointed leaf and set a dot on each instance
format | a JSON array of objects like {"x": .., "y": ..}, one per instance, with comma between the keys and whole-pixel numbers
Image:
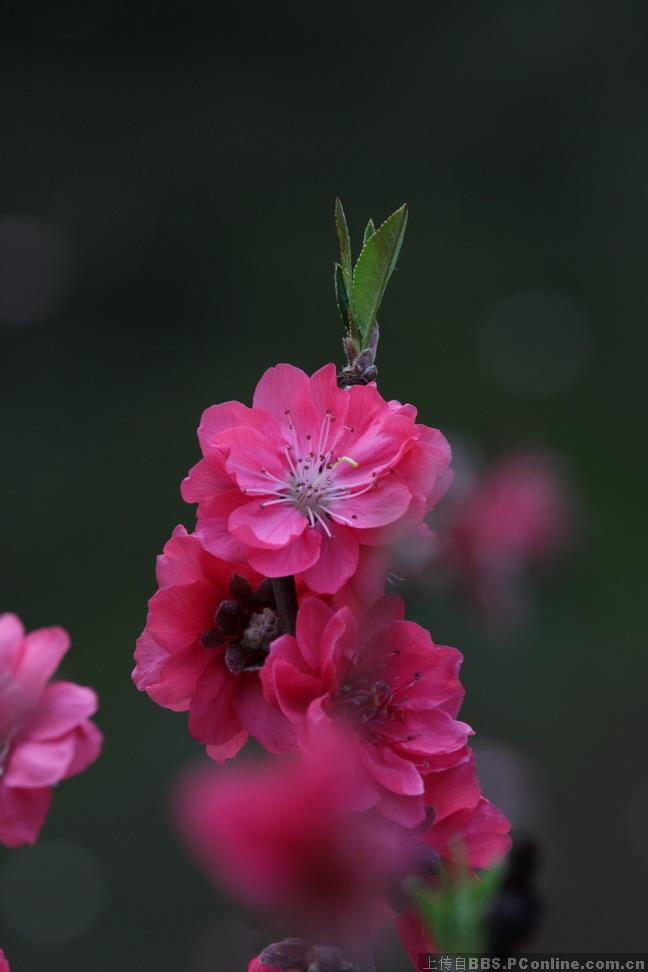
[
  {"x": 345, "y": 244},
  {"x": 341, "y": 295},
  {"x": 374, "y": 268},
  {"x": 370, "y": 229}
]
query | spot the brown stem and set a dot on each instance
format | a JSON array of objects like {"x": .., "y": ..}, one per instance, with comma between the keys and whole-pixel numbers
[{"x": 285, "y": 594}]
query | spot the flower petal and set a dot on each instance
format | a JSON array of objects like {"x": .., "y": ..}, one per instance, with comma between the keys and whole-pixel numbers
[
  {"x": 295, "y": 558},
  {"x": 337, "y": 562}
]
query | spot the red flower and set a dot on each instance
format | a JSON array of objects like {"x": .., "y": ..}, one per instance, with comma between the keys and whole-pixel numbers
[
  {"x": 297, "y": 483},
  {"x": 385, "y": 681},
  {"x": 45, "y": 731},
  {"x": 286, "y": 837},
  {"x": 207, "y": 634}
]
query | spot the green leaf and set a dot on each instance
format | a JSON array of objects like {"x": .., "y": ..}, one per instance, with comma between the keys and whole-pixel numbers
[
  {"x": 374, "y": 268},
  {"x": 341, "y": 295},
  {"x": 370, "y": 229},
  {"x": 345, "y": 245},
  {"x": 455, "y": 909}
]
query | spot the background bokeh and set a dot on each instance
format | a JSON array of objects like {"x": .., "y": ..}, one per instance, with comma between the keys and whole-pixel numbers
[{"x": 167, "y": 182}]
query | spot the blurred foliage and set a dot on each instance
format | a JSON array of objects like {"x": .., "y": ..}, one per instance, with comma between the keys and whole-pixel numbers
[{"x": 455, "y": 910}]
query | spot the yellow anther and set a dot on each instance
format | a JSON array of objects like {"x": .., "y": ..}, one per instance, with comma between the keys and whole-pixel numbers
[{"x": 351, "y": 462}]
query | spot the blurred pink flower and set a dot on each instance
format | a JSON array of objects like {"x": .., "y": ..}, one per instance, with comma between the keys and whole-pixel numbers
[
  {"x": 297, "y": 483},
  {"x": 4, "y": 964},
  {"x": 516, "y": 515},
  {"x": 285, "y": 837},
  {"x": 386, "y": 682},
  {"x": 207, "y": 634},
  {"x": 45, "y": 732}
]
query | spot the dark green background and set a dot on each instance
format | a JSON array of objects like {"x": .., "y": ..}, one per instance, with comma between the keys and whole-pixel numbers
[{"x": 190, "y": 154}]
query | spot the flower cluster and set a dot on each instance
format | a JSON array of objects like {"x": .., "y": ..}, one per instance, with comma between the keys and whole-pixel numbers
[
  {"x": 271, "y": 621},
  {"x": 45, "y": 730}
]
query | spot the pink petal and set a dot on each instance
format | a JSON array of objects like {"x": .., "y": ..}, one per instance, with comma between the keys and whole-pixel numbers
[
  {"x": 213, "y": 526},
  {"x": 312, "y": 618},
  {"x": 295, "y": 558},
  {"x": 269, "y": 527},
  {"x": 179, "y": 615},
  {"x": 326, "y": 396},
  {"x": 12, "y": 633},
  {"x": 213, "y": 719},
  {"x": 473, "y": 838},
  {"x": 22, "y": 814},
  {"x": 63, "y": 706},
  {"x": 206, "y": 479},
  {"x": 453, "y": 789},
  {"x": 41, "y": 655},
  {"x": 293, "y": 689},
  {"x": 219, "y": 418},
  {"x": 179, "y": 677},
  {"x": 279, "y": 387},
  {"x": 263, "y": 722},
  {"x": 337, "y": 562},
  {"x": 88, "y": 742},
  {"x": 149, "y": 661},
  {"x": 392, "y": 771},
  {"x": 437, "y": 732},
  {"x": 222, "y": 753},
  {"x": 250, "y": 453},
  {"x": 383, "y": 504},
  {"x": 37, "y": 764},
  {"x": 181, "y": 560}
]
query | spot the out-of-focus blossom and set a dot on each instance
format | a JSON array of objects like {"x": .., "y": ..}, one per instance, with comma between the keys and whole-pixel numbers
[
  {"x": 4, "y": 964},
  {"x": 515, "y": 515},
  {"x": 287, "y": 838},
  {"x": 298, "y": 955},
  {"x": 207, "y": 635},
  {"x": 45, "y": 731},
  {"x": 384, "y": 680},
  {"x": 298, "y": 483}
]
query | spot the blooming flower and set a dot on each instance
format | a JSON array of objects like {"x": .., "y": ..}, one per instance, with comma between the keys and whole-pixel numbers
[
  {"x": 285, "y": 837},
  {"x": 45, "y": 732},
  {"x": 4, "y": 965},
  {"x": 297, "y": 483},
  {"x": 513, "y": 516},
  {"x": 207, "y": 634},
  {"x": 386, "y": 681}
]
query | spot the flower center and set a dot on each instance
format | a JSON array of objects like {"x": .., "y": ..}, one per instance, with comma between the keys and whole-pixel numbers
[
  {"x": 310, "y": 482},
  {"x": 244, "y": 625},
  {"x": 363, "y": 700}
]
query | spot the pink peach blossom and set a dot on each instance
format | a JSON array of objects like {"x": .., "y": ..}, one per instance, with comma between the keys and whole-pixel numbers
[
  {"x": 45, "y": 732},
  {"x": 298, "y": 483},
  {"x": 385, "y": 682},
  {"x": 286, "y": 837},
  {"x": 207, "y": 634},
  {"x": 514, "y": 515},
  {"x": 4, "y": 964}
]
